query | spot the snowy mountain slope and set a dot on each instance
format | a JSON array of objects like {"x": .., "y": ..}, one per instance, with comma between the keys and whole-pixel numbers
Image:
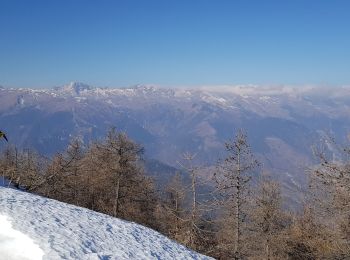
[{"x": 64, "y": 231}]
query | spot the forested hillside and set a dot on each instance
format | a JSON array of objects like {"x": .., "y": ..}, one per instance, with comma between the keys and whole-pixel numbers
[{"x": 242, "y": 215}]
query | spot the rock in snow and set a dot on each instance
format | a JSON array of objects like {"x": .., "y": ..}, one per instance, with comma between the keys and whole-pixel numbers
[{"x": 34, "y": 227}]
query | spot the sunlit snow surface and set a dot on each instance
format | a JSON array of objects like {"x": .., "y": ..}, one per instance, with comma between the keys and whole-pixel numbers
[
  {"x": 64, "y": 231},
  {"x": 14, "y": 245}
]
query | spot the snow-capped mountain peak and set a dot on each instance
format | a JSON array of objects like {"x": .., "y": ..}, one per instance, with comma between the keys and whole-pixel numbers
[{"x": 74, "y": 88}]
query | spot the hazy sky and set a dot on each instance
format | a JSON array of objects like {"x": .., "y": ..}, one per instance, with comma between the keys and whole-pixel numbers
[{"x": 174, "y": 42}]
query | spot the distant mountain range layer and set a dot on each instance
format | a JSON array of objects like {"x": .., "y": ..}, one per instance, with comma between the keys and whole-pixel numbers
[{"x": 282, "y": 123}]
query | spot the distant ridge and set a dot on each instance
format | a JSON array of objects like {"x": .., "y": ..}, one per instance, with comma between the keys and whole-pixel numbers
[{"x": 282, "y": 122}]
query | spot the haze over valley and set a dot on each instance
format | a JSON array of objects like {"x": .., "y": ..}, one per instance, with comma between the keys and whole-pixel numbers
[{"x": 282, "y": 123}]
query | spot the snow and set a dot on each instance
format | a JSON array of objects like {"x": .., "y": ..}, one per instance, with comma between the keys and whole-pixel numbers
[
  {"x": 3, "y": 182},
  {"x": 14, "y": 245},
  {"x": 33, "y": 226}
]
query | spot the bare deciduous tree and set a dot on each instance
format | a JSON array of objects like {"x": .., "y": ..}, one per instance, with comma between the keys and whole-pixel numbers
[
  {"x": 174, "y": 213},
  {"x": 267, "y": 218},
  {"x": 232, "y": 177},
  {"x": 330, "y": 191}
]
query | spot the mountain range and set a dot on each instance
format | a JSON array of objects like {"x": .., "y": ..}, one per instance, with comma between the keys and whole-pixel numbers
[{"x": 282, "y": 123}]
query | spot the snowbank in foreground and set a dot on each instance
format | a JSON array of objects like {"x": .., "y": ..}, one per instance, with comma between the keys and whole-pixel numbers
[
  {"x": 64, "y": 231},
  {"x": 15, "y": 245}
]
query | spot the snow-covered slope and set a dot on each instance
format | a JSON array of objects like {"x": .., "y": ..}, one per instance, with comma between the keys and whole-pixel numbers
[
  {"x": 15, "y": 245},
  {"x": 32, "y": 226}
]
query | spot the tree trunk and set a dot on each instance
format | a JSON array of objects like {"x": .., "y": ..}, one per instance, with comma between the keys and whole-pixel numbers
[
  {"x": 267, "y": 249},
  {"x": 237, "y": 212},
  {"x": 194, "y": 208},
  {"x": 116, "y": 198}
]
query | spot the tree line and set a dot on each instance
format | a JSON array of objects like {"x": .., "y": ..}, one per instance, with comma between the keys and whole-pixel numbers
[{"x": 240, "y": 217}]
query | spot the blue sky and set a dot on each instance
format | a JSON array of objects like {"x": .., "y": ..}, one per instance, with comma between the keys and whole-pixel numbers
[{"x": 174, "y": 42}]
